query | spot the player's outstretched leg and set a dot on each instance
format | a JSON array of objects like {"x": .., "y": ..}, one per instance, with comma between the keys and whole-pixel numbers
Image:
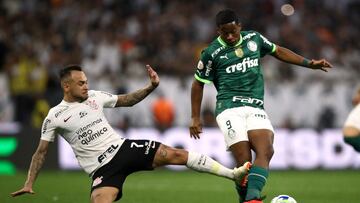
[
  {"x": 241, "y": 175},
  {"x": 166, "y": 155}
]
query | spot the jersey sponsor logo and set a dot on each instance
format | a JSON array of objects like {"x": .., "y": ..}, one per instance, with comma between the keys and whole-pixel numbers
[
  {"x": 82, "y": 114},
  {"x": 66, "y": 119},
  {"x": 200, "y": 65},
  {"x": 97, "y": 181},
  {"x": 266, "y": 40},
  {"x": 216, "y": 52},
  {"x": 252, "y": 46},
  {"x": 243, "y": 66},
  {"x": 92, "y": 104},
  {"x": 248, "y": 36},
  {"x": 61, "y": 111},
  {"x": 239, "y": 52},
  {"x": 86, "y": 135},
  {"x": 107, "y": 152},
  {"x": 46, "y": 123},
  {"x": 90, "y": 135},
  {"x": 248, "y": 100},
  {"x": 224, "y": 57}
]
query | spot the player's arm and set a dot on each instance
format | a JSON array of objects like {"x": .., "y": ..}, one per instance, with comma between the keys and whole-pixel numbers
[
  {"x": 135, "y": 97},
  {"x": 37, "y": 162},
  {"x": 197, "y": 90},
  {"x": 288, "y": 56}
]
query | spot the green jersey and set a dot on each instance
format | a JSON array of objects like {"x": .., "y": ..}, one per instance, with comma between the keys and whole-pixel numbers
[{"x": 235, "y": 70}]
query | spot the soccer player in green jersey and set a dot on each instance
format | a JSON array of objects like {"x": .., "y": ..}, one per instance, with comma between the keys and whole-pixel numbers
[
  {"x": 232, "y": 63},
  {"x": 351, "y": 128}
]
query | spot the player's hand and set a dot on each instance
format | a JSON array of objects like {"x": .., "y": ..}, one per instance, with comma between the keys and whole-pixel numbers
[
  {"x": 154, "y": 78},
  {"x": 24, "y": 190},
  {"x": 195, "y": 128},
  {"x": 322, "y": 64}
]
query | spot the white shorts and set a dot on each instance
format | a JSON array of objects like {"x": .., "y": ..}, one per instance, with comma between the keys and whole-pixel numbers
[
  {"x": 353, "y": 120},
  {"x": 234, "y": 123}
]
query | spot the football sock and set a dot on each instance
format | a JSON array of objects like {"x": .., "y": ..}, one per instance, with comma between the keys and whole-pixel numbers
[
  {"x": 241, "y": 190},
  {"x": 353, "y": 141},
  {"x": 256, "y": 181},
  {"x": 203, "y": 163}
]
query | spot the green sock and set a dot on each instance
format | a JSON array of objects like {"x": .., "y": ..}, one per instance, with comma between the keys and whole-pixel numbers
[
  {"x": 353, "y": 141},
  {"x": 256, "y": 181},
  {"x": 241, "y": 192}
]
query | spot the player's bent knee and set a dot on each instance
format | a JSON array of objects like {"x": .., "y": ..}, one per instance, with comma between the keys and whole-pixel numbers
[{"x": 103, "y": 195}]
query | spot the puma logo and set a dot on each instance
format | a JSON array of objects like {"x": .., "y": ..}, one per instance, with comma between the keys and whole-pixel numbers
[{"x": 224, "y": 57}]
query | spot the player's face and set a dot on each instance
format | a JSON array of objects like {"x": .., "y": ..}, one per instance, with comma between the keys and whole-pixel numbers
[
  {"x": 356, "y": 98},
  {"x": 78, "y": 86},
  {"x": 230, "y": 33}
]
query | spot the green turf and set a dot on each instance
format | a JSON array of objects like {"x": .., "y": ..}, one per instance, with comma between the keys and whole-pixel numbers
[{"x": 164, "y": 186}]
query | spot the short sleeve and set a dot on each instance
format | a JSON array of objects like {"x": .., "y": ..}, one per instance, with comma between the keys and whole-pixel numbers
[
  {"x": 108, "y": 100},
  {"x": 267, "y": 47},
  {"x": 48, "y": 129},
  {"x": 204, "y": 71}
]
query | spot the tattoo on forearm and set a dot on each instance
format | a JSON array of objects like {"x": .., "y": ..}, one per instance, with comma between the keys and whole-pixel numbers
[
  {"x": 163, "y": 153},
  {"x": 135, "y": 97},
  {"x": 36, "y": 164}
]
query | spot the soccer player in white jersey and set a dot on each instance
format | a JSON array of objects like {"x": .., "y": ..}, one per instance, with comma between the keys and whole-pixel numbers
[
  {"x": 103, "y": 154},
  {"x": 351, "y": 128}
]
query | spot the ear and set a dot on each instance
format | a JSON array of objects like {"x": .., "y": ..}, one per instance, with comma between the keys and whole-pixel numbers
[{"x": 65, "y": 85}]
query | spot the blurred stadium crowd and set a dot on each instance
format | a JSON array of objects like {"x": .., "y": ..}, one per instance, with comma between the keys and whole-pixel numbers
[{"x": 114, "y": 39}]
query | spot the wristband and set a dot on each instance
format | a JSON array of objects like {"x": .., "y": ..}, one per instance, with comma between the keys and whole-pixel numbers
[{"x": 306, "y": 62}]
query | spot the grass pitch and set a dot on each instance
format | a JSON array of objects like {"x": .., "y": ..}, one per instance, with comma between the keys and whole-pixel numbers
[{"x": 163, "y": 186}]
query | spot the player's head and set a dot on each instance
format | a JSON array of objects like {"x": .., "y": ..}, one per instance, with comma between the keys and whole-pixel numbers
[
  {"x": 228, "y": 26},
  {"x": 356, "y": 98},
  {"x": 74, "y": 83}
]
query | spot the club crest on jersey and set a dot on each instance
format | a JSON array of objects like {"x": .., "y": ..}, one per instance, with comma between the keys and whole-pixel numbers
[
  {"x": 252, "y": 46},
  {"x": 239, "y": 52},
  {"x": 92, "y": 104},
  {"x": 200, "y": 65},
  {"x": 97, "y": 181},
  {"x": 231, "y": 133}
]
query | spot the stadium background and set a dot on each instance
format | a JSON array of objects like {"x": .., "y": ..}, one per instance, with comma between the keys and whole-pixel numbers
[{"x": 113, "y": 40}]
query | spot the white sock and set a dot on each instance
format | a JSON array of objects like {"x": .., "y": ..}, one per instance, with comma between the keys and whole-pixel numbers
[{"x": 203, "y": 163}]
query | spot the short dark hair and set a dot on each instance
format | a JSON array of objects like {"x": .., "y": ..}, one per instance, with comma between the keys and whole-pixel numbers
[
  {"x": 226, "y": 16},
  {"x": 66, "y": 71}
]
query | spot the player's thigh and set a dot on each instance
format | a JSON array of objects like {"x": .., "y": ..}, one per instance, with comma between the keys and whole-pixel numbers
[
  {"x": 241, "y": 152},
  {"x": 261, "y": 141},
  {"x": 232, "y": 124},
  {"x": 166, "y": 155},
  {"x": 104, "y": 194}
]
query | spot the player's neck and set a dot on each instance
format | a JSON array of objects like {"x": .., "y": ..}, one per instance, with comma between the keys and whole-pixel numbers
[{"x": 70, "y": 99}]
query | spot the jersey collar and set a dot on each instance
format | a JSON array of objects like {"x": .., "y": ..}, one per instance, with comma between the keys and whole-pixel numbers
[{"x": 225, "y": 45}]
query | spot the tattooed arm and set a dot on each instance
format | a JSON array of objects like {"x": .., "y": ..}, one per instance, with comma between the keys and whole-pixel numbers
[
  {"x": 135, "y": 97},
  {"x": 35, "y": 166}
]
